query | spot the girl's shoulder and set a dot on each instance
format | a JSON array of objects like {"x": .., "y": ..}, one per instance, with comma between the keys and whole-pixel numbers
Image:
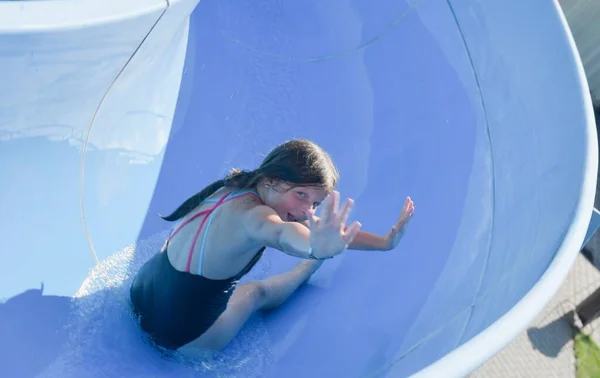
[{"x": 246, "y": 199}]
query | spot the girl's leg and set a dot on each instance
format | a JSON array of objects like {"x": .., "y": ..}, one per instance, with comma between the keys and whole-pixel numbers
[{"x": 249, "y": 298}]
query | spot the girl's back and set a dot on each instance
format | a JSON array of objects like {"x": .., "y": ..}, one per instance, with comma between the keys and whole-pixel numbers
[{"x": 210, "y": 240}]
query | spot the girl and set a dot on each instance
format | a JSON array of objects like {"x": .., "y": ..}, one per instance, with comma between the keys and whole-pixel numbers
[{"x": 186, "y": 295}]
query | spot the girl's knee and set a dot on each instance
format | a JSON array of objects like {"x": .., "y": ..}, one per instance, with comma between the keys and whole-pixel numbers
[
  {"x": 251, "y": 295},
  {"x": 258, "y": 294}
]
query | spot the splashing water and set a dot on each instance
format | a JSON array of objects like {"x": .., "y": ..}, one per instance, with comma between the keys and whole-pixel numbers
[{"x": 105, "y": 339}]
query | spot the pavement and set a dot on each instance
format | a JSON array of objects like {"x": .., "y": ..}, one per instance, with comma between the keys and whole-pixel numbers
[{"x": 546, "y": 348}]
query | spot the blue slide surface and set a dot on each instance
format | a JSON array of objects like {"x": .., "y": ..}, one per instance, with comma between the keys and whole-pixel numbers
[{"x": 476, "y": 109}]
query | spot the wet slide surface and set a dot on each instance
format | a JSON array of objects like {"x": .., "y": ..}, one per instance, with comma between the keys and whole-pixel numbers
[{"x": 485, "y": 126}]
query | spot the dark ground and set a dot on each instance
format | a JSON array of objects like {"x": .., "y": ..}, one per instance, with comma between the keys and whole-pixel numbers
[{"x": 592, "y": 249}]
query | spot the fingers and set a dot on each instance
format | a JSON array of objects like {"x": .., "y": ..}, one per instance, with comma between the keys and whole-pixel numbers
[
  {"x": 335, "y": 201},
  {"x": 331, "y": 212},
  {"x": 352, "y": 231},
  {"x": 346, "y": 211},
  {"x": 408, "y": 204},
  {"x": 329, "y": 207},
  {"x": 312, "y": 220},
  {"x": 408, "y": 208},
  {"x": 334, "y": 217},
  {"x": 405, "y": 215},
  {"x": 411, "y": 208}
]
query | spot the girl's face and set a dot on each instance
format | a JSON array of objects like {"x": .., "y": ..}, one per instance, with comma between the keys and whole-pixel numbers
[{"x": 295, "y": 203}]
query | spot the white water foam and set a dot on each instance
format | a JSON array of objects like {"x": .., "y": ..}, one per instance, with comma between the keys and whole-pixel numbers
[{"x": 105, "y": 339}]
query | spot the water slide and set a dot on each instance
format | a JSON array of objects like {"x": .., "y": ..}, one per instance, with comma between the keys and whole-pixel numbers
[{"x": 112, "y": 112}]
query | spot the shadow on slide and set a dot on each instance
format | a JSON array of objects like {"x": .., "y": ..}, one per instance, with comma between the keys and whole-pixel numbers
[{"x": 33, "y": 329}]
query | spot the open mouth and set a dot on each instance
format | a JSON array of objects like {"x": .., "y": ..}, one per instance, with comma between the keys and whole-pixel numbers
[{"x": 291, "y": 218}]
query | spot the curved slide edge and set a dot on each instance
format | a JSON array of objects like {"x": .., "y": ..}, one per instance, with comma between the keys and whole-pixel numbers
[
  {"x": 19, "y": 17},
  {"x": 472, "y": 354},
  {"x": 135, "y": 117},
  {"x": 76, "y": 73}
]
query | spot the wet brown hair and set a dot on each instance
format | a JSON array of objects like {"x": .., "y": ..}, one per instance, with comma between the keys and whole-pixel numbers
[{"x": 298, "y": 162}]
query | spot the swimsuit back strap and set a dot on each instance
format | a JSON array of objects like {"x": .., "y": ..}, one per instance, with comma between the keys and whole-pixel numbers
[
  {"x": 232, "y": 196},
  {"x": 206, "y": 214}
]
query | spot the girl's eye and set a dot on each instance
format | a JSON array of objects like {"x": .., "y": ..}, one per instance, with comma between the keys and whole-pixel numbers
[{"x": 302, "y": 194}]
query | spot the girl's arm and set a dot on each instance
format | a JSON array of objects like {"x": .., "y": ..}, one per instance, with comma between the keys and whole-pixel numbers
[
  {"x": 367, "y": 241},
  {"x": 371, "y": 242},
  {"x": 364, "y": 241},
  {"x": 323, "y": 240},
  {"x": 263, "y": 225}
]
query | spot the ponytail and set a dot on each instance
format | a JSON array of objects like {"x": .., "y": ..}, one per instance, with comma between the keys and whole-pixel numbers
[
  {"x": 242, "y": 179},
  {"x": 235, "y": 179}
]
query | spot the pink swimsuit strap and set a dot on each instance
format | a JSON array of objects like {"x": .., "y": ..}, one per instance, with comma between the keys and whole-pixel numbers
[{"x": 206, "y": 213}]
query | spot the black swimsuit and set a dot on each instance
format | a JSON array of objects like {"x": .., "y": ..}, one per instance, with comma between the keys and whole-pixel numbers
[{"x": 176, "y": 307}]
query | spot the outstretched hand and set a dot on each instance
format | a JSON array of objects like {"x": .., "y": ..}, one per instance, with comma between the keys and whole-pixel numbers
[
  {"x": 329, "y": 233},
  {"x": 397, "y": 232}
]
